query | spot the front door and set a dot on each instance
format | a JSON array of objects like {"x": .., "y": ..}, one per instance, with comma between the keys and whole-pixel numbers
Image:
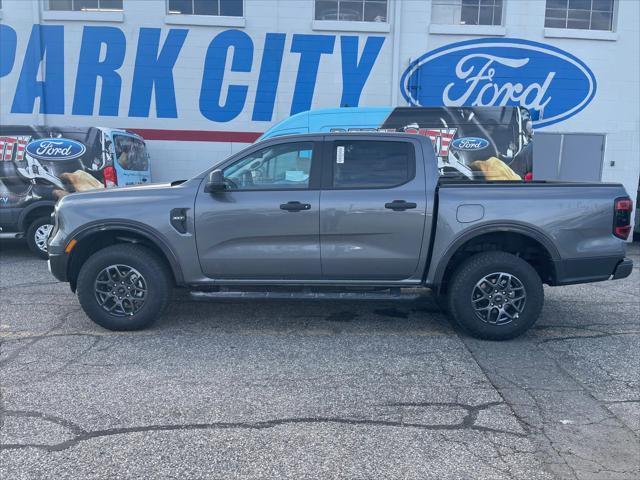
[
  {"x": 373, "y": 211},
  {"x": 265, "y": 225}
]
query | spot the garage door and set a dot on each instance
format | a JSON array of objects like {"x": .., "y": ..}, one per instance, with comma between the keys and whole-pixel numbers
[{"x": 568, "y": 156}]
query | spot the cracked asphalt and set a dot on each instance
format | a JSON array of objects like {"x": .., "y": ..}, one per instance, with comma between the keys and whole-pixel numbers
[{"x": 316, "y": 389}]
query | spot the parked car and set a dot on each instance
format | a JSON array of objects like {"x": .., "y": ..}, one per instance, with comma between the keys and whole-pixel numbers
[
  {"x": 365, "y": 210},
  {"x": 463, "y": 137},
  {"x": 39, "y": 165}
]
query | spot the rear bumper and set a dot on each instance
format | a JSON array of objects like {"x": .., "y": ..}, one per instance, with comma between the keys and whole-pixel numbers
[
  {"x": 586, "y": 270},
  {"x": 623, "y": 269}
]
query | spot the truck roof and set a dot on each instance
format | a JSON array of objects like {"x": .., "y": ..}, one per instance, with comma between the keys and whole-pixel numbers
[{"x": 329, "y": 135}]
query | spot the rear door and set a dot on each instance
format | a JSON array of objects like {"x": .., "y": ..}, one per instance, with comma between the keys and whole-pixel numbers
[{"x": 373, "y": 209}]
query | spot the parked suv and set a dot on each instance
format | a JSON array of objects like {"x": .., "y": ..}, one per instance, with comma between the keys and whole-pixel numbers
[
  {"x": 41, "y": 164},
  {"x": 343, "y": 211}
]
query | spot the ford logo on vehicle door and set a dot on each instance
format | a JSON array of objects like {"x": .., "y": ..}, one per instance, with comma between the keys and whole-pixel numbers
[
  {"x": 553, "y": 84},
  {"x": 469, "y": 143},
  {"x": 55, "y": 149}
]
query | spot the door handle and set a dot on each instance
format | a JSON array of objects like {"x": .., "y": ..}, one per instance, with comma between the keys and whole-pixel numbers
[
  {"x": 400, "y": 205},
  {"x": 295, "y": 206}
]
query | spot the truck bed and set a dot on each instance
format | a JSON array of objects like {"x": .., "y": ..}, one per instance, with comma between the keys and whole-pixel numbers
[{"x": 571, "y": 220}]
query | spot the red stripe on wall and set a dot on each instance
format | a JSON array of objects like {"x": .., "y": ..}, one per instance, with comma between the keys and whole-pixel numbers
[{"x": 196, "y": 135}]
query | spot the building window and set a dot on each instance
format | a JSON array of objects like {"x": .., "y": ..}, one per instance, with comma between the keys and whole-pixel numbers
[
  {"x": 219, "y": 8},
  {"x": 466, "y": 12},
  {"x": 352, "y": 10},
  {"x": 85, "y": 5},
  {"x": 580, "y": 14}
]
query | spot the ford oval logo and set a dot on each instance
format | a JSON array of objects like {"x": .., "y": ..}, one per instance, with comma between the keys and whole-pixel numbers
[
  {"x": 470, "y": 143},
  {"x": 55, "y": 149},
  {"x": 553, "y": 84}
]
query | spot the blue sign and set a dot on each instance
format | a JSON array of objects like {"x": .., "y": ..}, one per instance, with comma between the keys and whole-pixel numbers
[
  {"x": 101, "y": 80},
  {"x": 469, "y": 144},
  {"x": 553, "y": 84},
  {"x": 55, "y": 149}
]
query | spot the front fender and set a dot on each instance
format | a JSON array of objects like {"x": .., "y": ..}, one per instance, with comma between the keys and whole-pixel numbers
[{"x": 137, "y": 229}]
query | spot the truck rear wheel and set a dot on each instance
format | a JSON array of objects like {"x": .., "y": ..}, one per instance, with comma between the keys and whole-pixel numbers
[
  {"x": 124, "y": 287},
  {"x": 495, "y": 296},
  {"x": 38, "y": 234}
]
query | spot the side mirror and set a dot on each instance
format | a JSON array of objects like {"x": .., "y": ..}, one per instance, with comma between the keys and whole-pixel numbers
[{"x": 215, "y": 182}]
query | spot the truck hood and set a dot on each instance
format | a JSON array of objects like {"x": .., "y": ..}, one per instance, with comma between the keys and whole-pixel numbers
[
  {"x": 122, "y": 190},
  {"x": 123, "y": 202},
  {"x": 131, "y": 191}
]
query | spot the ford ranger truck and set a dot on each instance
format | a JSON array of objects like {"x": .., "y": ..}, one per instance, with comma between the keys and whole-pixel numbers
[{"x": 341, "y": 211}]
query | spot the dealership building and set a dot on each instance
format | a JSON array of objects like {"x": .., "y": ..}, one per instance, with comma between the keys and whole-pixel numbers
[{"x": 200, "y": 79}]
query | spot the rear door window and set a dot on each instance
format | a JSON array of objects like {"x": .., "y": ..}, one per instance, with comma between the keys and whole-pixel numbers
[{"x": 372, "y": 164}]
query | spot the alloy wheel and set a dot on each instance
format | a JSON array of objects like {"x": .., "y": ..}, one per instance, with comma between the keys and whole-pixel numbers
[
  {"x": 121, "y": 290},
  {"x": 498, "y": 298}
]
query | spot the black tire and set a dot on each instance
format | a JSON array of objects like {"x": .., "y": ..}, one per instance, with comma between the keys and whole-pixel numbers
[
  {"x": 483, "y": 265},
  {"x": 35, "y": 233},
  {"x": 131, "y": 313},
  {"x": 442, "y": 302}
]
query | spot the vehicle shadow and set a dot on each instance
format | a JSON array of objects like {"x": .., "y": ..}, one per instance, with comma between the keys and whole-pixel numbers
[{"x": 419, "y": 316}]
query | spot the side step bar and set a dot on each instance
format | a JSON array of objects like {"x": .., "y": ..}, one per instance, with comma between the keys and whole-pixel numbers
[
  {"x": 4, "y": 235},
  {"x": 411, "y": 294}
]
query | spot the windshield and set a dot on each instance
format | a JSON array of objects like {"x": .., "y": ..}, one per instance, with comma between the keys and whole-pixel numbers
[{"x": 131, "y": 153}]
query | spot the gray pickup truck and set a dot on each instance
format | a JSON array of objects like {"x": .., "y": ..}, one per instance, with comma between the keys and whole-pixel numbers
[{"x": 345, "y": 212}]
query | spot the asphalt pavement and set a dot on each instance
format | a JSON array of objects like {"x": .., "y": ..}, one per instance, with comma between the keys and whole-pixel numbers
[{"x": 315, "y": 389}]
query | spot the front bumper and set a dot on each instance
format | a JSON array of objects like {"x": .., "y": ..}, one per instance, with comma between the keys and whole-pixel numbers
[{"x": 58, "y": 265}]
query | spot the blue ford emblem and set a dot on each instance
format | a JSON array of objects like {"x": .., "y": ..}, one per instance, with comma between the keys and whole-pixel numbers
[
  {"x": 469, "y": 143},
  {"x": 55, "y": 149},
  {"x": 553, "y": 84}
]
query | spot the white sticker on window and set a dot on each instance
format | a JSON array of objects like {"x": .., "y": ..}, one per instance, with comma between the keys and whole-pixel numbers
[
  {"x": 296, "y": 176},
  {"x": 340, "y": 155}
]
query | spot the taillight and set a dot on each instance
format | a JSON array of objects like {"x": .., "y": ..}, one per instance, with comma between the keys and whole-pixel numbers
[
  {"x": 110, "y": 176},
  {"x": 528, "y": 177},
  {"x": 622, "y": 217}
]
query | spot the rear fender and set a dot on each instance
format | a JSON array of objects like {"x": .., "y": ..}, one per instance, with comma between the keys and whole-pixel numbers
[{"x": 493, "y": 227}]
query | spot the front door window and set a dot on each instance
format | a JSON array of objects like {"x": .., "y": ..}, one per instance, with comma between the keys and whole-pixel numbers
[{"x": 280, "y": 167}]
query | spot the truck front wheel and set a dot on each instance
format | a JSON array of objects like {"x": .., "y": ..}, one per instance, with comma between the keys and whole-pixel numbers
[
  {"x": 124, "y": 287},
  {"x": 495, "y": 296}
]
